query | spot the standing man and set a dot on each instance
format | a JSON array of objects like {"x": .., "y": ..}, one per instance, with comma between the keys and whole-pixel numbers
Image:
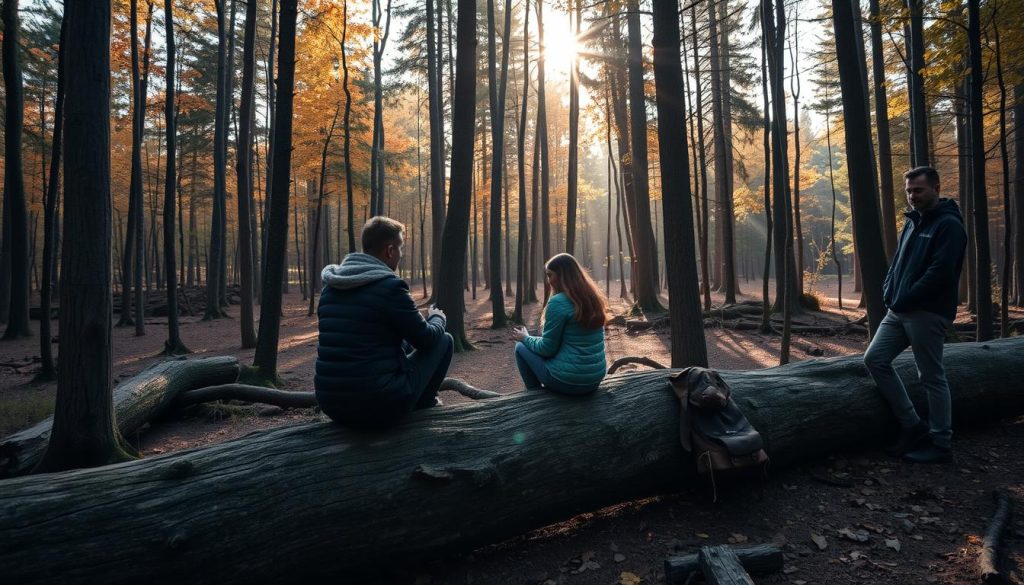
[
  {"x": 921, "y": 291},
  {"x": 377, "y": 357}
]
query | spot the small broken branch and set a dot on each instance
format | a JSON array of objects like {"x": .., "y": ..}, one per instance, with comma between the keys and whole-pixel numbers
[
  {"x": 633, "y": 359},
  {"x": 988, "y": 560},
  {"x": 247, "y": 393}
]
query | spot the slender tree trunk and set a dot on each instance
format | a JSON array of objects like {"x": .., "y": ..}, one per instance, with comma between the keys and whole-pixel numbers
[
  {"x": 453, "y": 244},
  {"x": 794, "y": 90},
  {"x": 436, "y": 113},
  {"x": 47, "y": 368},
  {"x": 1018, "y": 188},
  {"x": 522, "y": 248},
  {"x": 497, "y": 99},
  {"x": 980, "y": 216},
  {"x": 574, "y": 133},
  {"x": 1004, "y": 151},
  {"x": 882, "y": 125},
  {"x": 915, "y": 85},
  {"x": 350, "y": 202},
  {"x": 380, "y": 40},
  {"x": 766, "y": 324},
  {"x": 686, "y": 319},
  {"x": 315, "y": 257},
  {"x": 216, "y": 264},
  {"x": 721, "y": 110},
  {"x": 542, "y": 144},
  {"x": 265, "y": 359},
  {"x": 14, "y": 181},
  {"x": 243, "y": 168},
  {"x": 173, "y": 345},
  {"x": 860, "y": 159},
  {"x": 84, "y": 432},
  {"x": 646, "y": 279}
]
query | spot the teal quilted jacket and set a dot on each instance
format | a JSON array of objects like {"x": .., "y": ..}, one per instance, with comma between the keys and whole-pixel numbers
[{"x": 575, "y": 355}]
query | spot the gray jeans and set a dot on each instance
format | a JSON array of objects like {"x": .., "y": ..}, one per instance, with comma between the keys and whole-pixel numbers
[{"x": 925, "y": 333}]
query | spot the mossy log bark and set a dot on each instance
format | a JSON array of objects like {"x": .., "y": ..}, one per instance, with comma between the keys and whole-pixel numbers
[
  {"x": 318, "y": 500},
  {"x": 136, "y": 400}
]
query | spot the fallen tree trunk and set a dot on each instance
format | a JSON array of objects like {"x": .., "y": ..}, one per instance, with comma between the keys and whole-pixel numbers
[
  {"x": 136, "y": 400},
  {"x": 318, "y": 500}
]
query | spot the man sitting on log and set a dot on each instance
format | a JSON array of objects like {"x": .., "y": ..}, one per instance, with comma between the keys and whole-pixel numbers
[
  {"x": 921, "y": 291},
  {"x": 377, "y": 357}
]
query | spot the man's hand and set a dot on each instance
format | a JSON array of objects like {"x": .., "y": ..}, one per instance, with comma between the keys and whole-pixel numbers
[
  {"x": 433, "y": 310},
  {"x": 520, "y": 333}
]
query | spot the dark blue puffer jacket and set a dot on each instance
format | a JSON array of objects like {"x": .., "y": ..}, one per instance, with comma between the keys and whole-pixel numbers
[
  {"x": 365, "y": 314},
  {"x": 925, "y": 273}
]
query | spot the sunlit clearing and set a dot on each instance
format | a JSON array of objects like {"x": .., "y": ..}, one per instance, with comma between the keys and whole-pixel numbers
[{"x": 560, "y": 51}]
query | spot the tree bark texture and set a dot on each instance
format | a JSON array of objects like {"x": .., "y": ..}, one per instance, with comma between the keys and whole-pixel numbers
[
  {"x": 983, "y": 260},
  {"x": 174, "y": 345},
  {"x": 216, "y": 264},
  {"x": 720, "y": 92},
  {"x": 915, "y": 85},
  {"x": 489, "y": 470},
  {"x": 14, "y": 180},
  {"x": 243, "y": 168},
  {"x": 84, "y": 430},
  {"x": 265, "y": 358},
  {"x": 646, "y": 275},
  {"x": 884, "y": 141},
  {"x": 48, "y": 368},
  {"x": 860, "y": 160},
  {"x": 497, "y": 98},
  {"x": 137, "y": 400},
  {"x": 687, "y": 339},
  {"x": 1018, "y": 189},
  {"x": 454, "y": 240}
]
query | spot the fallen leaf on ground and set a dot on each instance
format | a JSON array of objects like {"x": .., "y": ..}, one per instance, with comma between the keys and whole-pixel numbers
[
  {"x": 627, "y": 578},
  {"x": 854, "y": 535},
  {"x": 820, "y": 541},
  {"x": 893, "y": 543},
  {"x": 619, "y": 557}
]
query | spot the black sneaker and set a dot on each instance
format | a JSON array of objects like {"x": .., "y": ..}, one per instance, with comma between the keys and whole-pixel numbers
[
  {"x": 912, "y": 439},
  {"x": 930, "y": 454}
]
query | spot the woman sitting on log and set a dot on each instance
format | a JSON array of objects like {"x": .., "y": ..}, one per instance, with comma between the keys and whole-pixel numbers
[{"x": 568, "y": 358}]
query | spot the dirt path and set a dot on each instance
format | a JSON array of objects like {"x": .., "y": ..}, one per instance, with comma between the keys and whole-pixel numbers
[{"x": 935, "y": 514}]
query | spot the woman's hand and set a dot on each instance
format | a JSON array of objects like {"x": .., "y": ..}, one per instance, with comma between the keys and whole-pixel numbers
[{"x": 520, "y": 333}]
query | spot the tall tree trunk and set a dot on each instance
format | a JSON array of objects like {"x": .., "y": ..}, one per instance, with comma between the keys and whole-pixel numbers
[
  {"x": 133, "y": 235},
  {"x": 1004, "y": 151},
  {"x": 265, "y": 359},
  {"x": 766, "y": 324},
  {"x": 966, "y": 186},
  {"x": 14, "y": 181},
  {"x": 243, "y": 168},
  {"x": 173, "y": 345},
  {"x": 646, "y": 278},
  {"x": 794, "y": 85},
  {"x": 316, "y": 255},
  {"x": 347, "y": 123},
  {"x": 704, "y": 220},
  {"x": 785, "y": 268},
  {"x": 453, "y": 243},
  {"x": 884, "y": 141},
  {"x": 980, "y": 215},
  {"x": 436, "y": 113},
  {"x": 574, "y": 133},
  {"x": 1018, "y": 187},
  {"x": 84, "y": 432},
  {"x": 542, "y": 144},
  {"x": 497, "y": 99},
  {"x": 522, "y": 248},
  {"x": 686, "y": 319},
  {"x": 216, "y": 264},
  {"x": 47, "y": 368},
  {"x": 860, "y": 158},
  {"x": 915, "y": 85},
  {"x": 721, "y": 111},
  {"x": 380, "y": 40}
]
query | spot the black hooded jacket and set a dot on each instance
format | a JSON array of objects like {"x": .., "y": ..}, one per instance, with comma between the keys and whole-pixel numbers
[{"x": 925, "y": 273}]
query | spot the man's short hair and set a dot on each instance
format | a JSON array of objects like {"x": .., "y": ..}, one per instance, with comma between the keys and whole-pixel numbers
[
  {"x": 930, "y": 174},
  {"x": 378, "y": 232}
]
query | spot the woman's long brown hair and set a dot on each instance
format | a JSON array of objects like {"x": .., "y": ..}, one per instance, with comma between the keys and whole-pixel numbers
[{"x": 591, "y": 306}]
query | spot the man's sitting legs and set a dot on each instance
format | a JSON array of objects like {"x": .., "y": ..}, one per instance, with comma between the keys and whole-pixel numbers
[{"x": 429, "y": 369}]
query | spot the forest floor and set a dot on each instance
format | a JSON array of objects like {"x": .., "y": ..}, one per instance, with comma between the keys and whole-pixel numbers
[{"x": 880, "y": 520}]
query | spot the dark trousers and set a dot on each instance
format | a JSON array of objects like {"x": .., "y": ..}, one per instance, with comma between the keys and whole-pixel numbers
[
  {"x": 428, "y": 371},
  {"x": 535, "y": 374}
]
